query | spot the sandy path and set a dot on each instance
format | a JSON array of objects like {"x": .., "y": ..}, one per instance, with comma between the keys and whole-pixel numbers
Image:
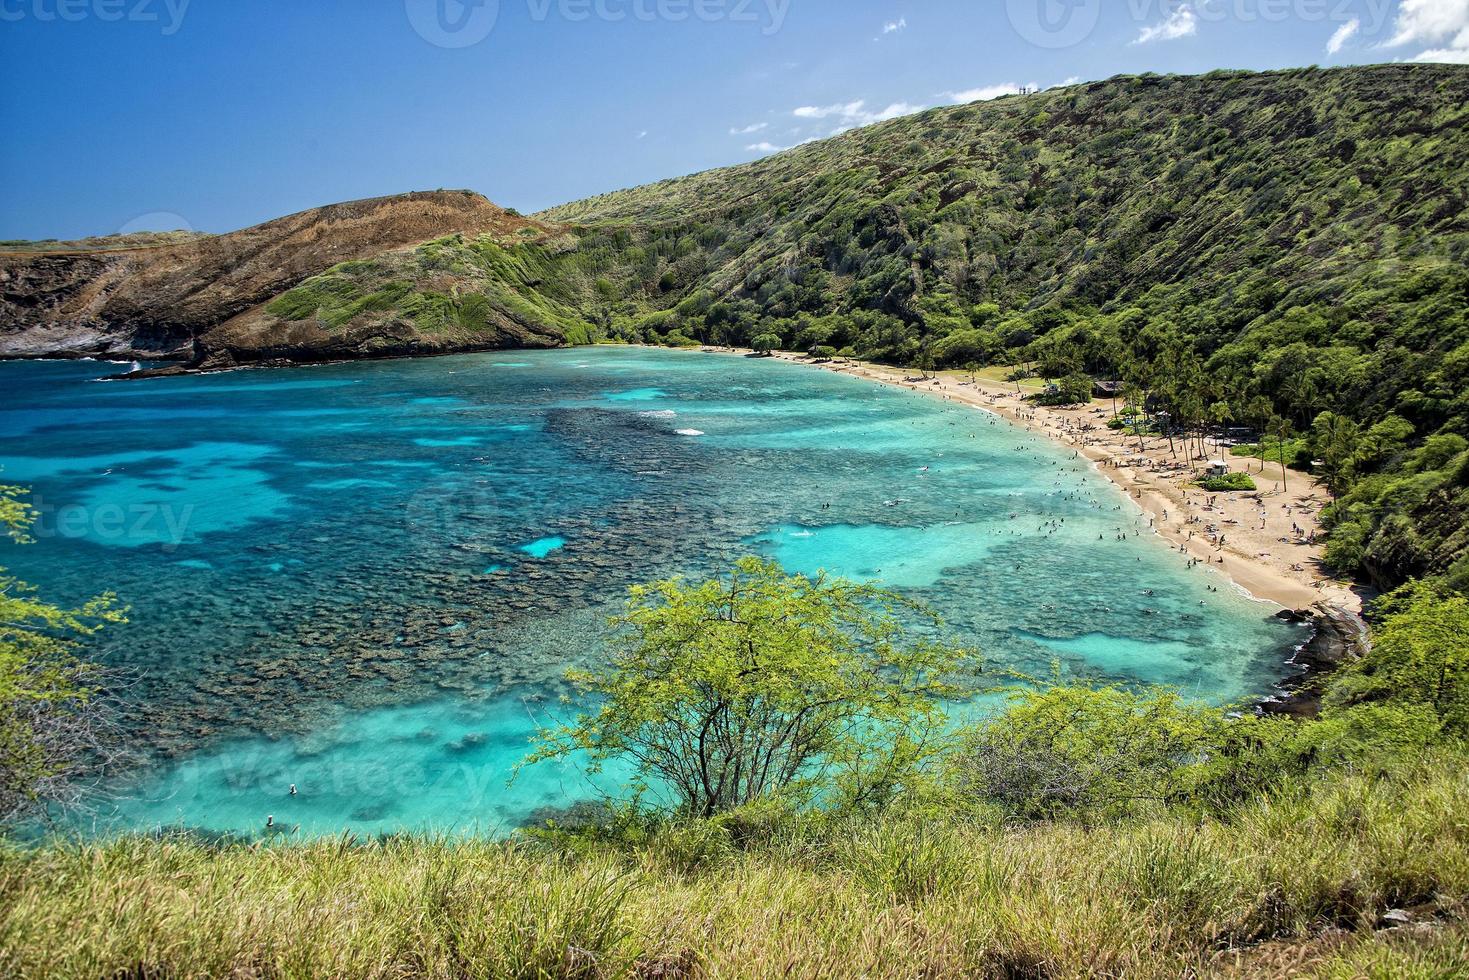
[{"x": 1266, "y": 536}]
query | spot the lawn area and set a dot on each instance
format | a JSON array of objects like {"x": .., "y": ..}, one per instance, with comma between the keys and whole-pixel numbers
[{"x": 998, "y": 374}]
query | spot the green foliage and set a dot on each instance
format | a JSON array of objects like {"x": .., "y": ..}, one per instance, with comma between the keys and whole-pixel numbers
[
  {"x": 1294, "y": 452},
  {"x": 1074, "y": 389},
  {"x": 46, "y": 692},
  {"x": 1409, "y": 520},
  {"x": 16, "y": 516},
  {"x": 1228, "y": 483},
  {"x": 1415, "y": 679},
  {"x": 729, "y": 691},
  {"x": 1105, "y": 753},
  {"x": 449, "y": 288},
  {"x": 764, "y": 343}
]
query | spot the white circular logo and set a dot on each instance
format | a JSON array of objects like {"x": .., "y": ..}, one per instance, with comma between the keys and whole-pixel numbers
[
  {"x": 156, "y": 221},
  {"x": 453, "y": 23},
  {"x": 1054, "y": 23}
]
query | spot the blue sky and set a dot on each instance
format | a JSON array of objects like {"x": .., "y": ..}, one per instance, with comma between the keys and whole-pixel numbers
[{"x": 216, "y": 114}]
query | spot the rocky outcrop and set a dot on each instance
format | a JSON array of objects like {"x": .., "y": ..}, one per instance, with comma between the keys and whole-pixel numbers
[
  {"x": 1338, "y": 635},
  {"x": 163, "y": 296}
]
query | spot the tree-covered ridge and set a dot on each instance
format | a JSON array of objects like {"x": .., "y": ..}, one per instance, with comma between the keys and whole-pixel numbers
[{"x": 1221, "y": 201}]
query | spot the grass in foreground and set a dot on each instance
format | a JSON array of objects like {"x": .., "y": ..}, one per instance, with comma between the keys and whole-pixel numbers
[{"x": 1297, "y": 881}]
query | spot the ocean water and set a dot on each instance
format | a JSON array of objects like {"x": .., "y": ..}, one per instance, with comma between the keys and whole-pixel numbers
[{"x": 368, "y": 580}]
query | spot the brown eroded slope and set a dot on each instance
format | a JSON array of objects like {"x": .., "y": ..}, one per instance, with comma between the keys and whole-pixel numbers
[{"x": 156, "y": 300}]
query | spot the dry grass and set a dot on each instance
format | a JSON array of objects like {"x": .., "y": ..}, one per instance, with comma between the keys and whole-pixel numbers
[{"x": 1294, "y": 885}]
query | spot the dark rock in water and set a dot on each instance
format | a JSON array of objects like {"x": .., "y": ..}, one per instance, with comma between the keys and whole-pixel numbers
[
  {"x": 1338, "y": 636},
  {"x": 468, "y": 743},
  {"x": 373, "y": 811},
  {"x": 169, "y": 371}
]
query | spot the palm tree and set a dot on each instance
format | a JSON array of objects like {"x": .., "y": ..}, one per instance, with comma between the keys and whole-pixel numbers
[
  {"x": 1336, "y": 441},
  {"x": 1282, "y": 429},
  {"x": 1221, "y": 415},
  {"x": 1260, "y": 410},
  {"x": 1302, "y": 393}
]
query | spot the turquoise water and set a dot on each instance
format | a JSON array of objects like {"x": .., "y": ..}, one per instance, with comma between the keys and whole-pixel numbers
[{"x": 367, "y": 580}]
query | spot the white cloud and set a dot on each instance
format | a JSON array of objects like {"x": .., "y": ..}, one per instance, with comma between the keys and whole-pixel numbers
[
  {"x": 894, "y": 111},
  {"x": 765, "y": 146},
  {"x": 1181, "y": 23},
  {"x": 747, "y": 130},
  {"x": 1448, "y": 56},
  {"x": 1429, "y": 20},
  {"x": 1444, "y": 23},
  {"x": 1343, "y": 34},
  {"x": 983, "y": 93},
  {"x": 642, "y": 133},
  {"x": 1067, "y": 82},
  {"x": 845, "y": 109},
  {"x": 893, "y": 26},
  {"x": 851, "y": 114}
]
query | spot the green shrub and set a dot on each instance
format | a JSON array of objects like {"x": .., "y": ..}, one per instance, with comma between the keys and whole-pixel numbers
[
  {"x": 1075, "y": 389},
  {"x": 1229, "y": 483},
  {"x": 1075, "y": 751}
]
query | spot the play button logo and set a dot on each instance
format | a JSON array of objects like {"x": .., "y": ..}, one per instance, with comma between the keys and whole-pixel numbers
[{"x": 453, "y": 23}]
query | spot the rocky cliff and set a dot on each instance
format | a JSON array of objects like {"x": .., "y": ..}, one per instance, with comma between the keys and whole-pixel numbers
[{"x": 202, "y": 297}]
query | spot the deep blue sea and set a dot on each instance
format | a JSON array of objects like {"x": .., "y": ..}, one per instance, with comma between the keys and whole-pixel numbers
[{"x": 368, "y": 579}]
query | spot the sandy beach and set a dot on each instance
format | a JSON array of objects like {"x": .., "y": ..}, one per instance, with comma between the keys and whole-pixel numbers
[{"x": 1267, "y": 542}]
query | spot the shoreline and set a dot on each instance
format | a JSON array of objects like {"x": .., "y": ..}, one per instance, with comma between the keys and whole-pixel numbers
[
  {"x": 1289, "y": 576},
  {"x": 1331, "y": 606},
  {"x": 1156, "y": 479},
  {"x": 1295, "y": 579}
]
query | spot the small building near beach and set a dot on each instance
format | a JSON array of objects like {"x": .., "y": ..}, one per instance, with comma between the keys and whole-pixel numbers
[{"x": 1216, "y": 467}]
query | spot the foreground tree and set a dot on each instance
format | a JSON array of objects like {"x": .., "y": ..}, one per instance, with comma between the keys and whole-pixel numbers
[
  {"x": 763, "y": 685},
  {"x": 765, "y": 343},
  {"x": 50, "y": 722}
]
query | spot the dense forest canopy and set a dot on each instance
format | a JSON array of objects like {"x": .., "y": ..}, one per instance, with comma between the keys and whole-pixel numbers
[{"x": 1284, "y": 251}]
